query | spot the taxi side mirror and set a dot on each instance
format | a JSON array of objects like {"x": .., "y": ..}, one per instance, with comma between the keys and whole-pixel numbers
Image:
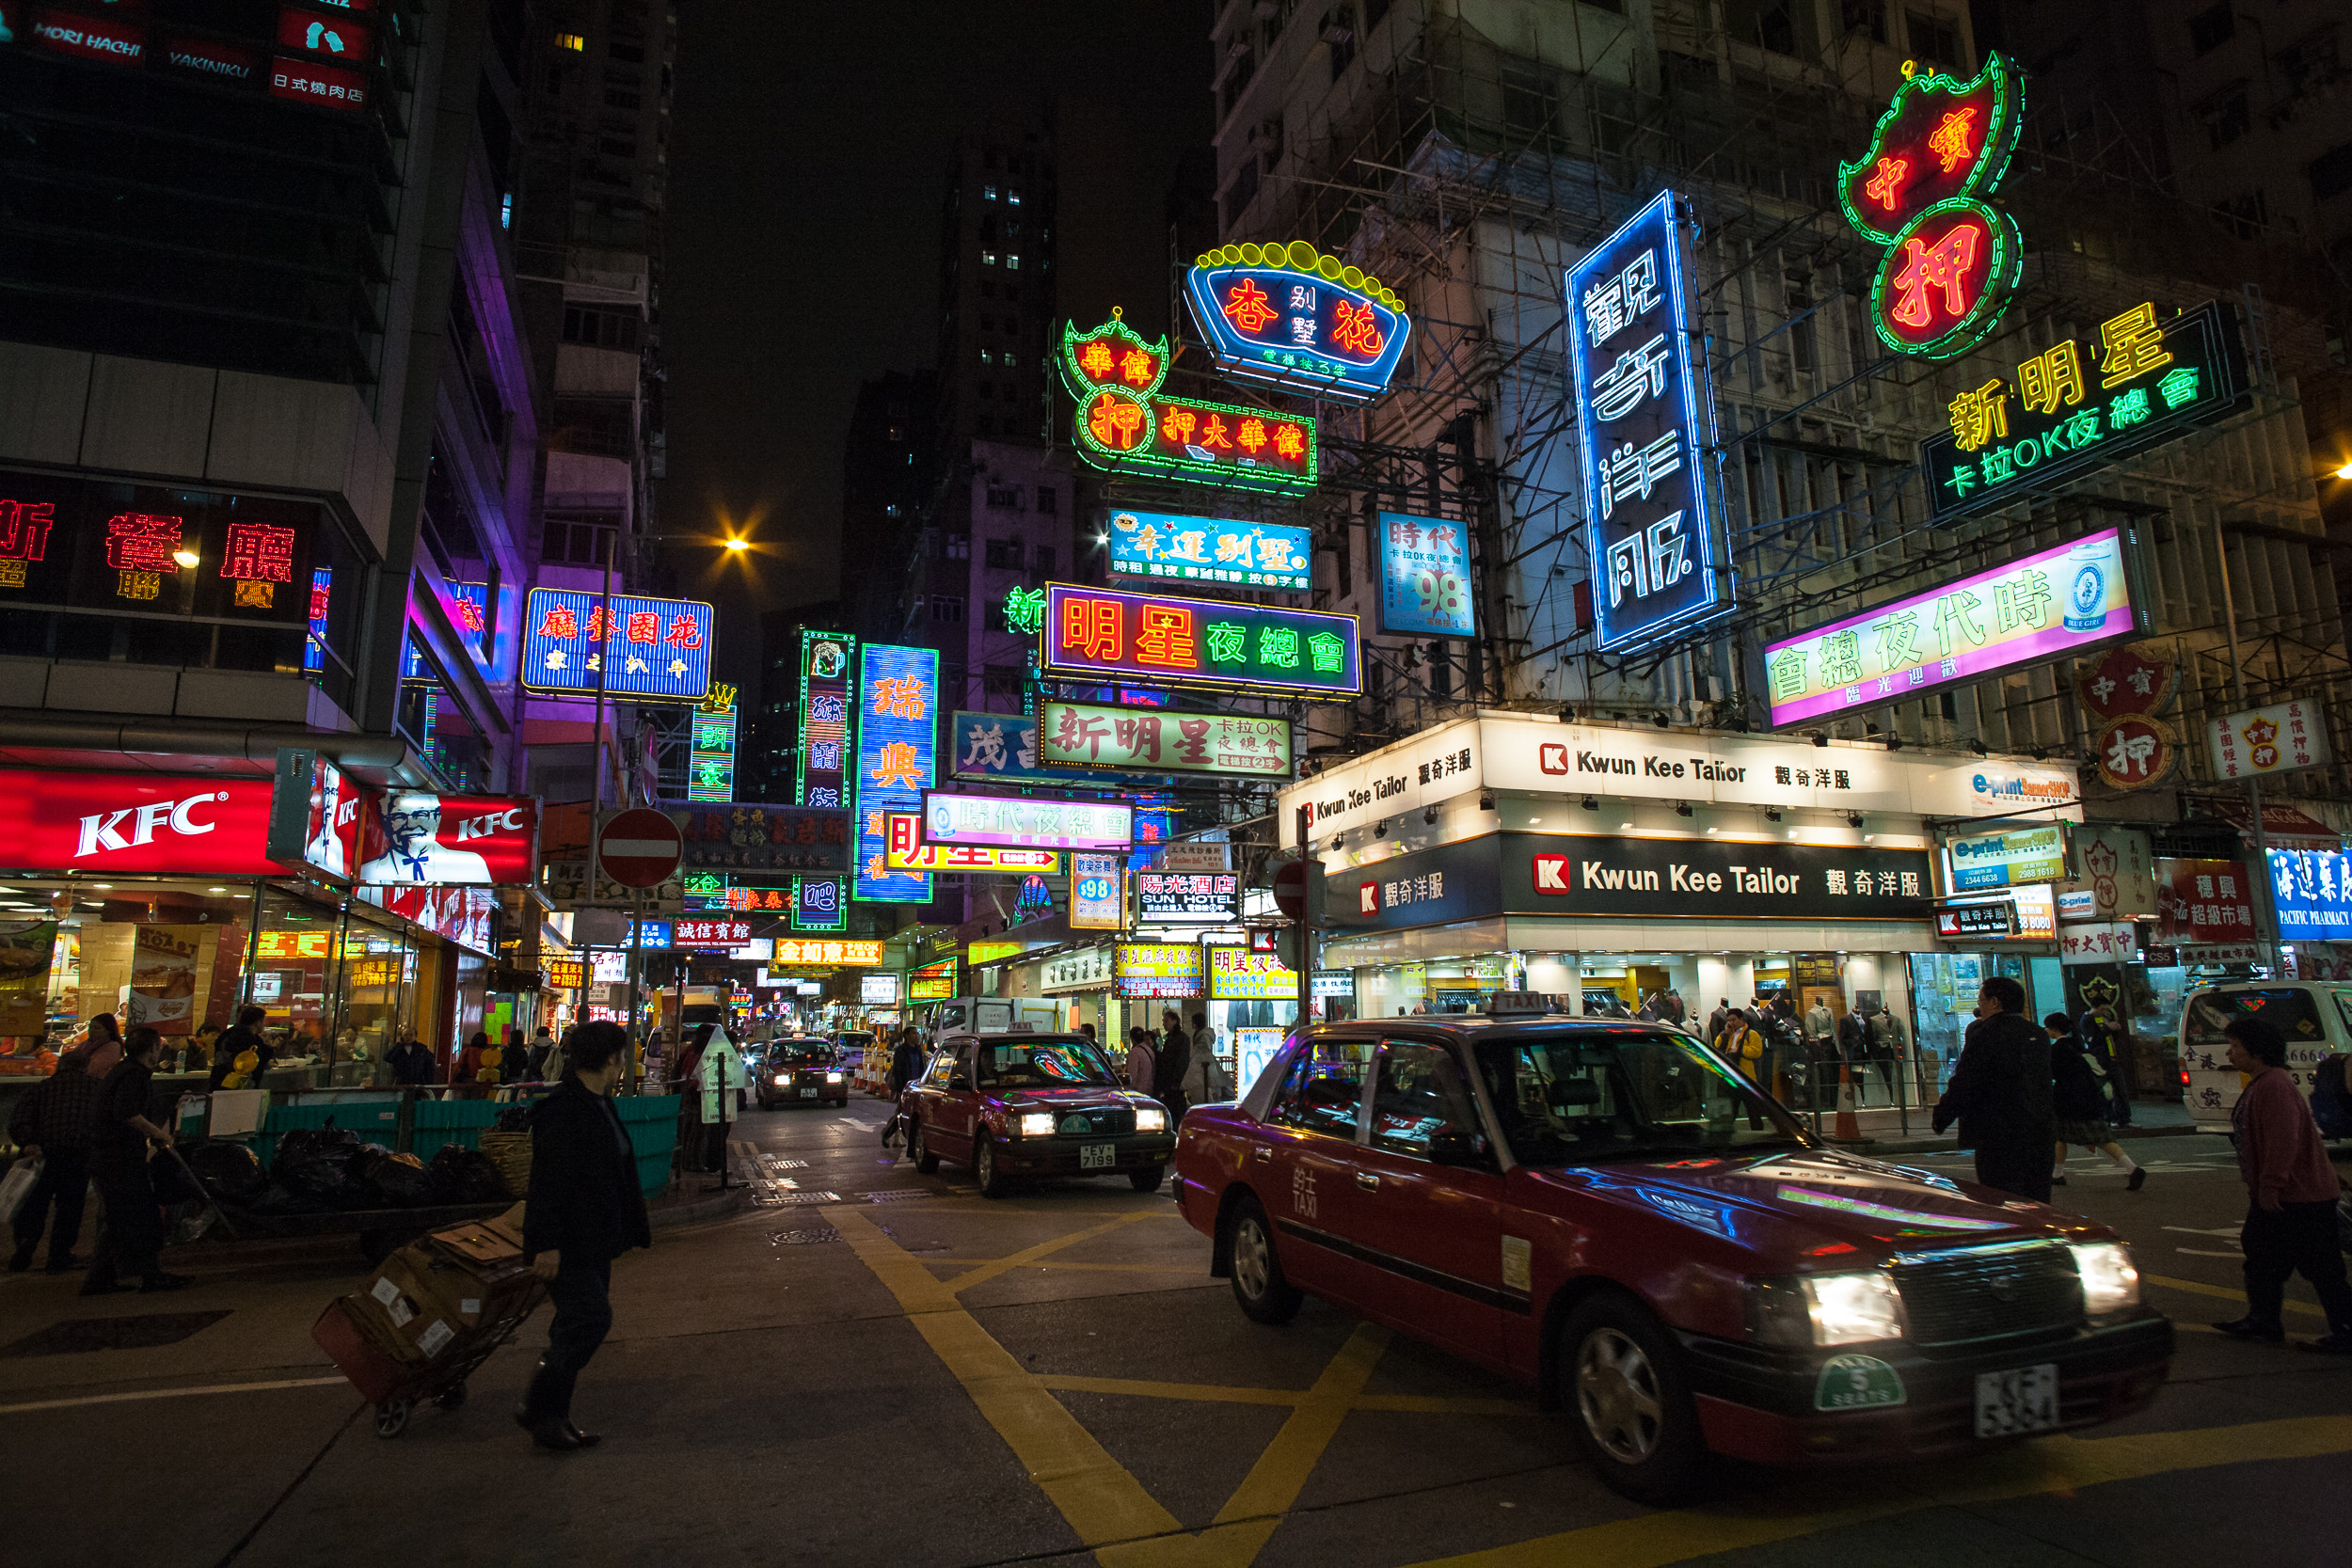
[
  {"x": 1451, "y": 1147},
  {"x": 959, "y": 1083}
]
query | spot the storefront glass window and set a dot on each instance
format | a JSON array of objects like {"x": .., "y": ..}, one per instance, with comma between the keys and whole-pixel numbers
[
  {"x": 1943, "y": 990},
  {"x": 159, "y": 951},
  {"x": 379, "y": 970},
  {"x": 296, "y": 978}
]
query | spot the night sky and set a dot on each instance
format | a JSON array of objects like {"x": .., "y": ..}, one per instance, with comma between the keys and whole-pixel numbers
[{"x": 809, "y": 161}]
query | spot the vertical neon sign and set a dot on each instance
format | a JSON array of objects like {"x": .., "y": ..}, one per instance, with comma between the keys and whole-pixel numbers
[{"x": 897, "y": 759}]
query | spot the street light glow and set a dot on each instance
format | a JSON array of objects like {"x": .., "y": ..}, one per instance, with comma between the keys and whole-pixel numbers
[
  {"x": 2345, "y": 472},
  {"x": 738, "y": 543}
]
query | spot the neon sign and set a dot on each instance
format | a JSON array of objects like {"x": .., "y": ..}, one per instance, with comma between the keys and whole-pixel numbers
[
  {"x": 1210, "y": 549},
  {"x": 639, "y": 647},
  {"x": 898, "y": 759},
  {"x": 1292, "y": 317},
  {"x": 1952, "y": 259},
  {"x": 1025, "y": 611},
  {"x": 1205, "y": 642},
  {"x": 1125, "y": 424}
]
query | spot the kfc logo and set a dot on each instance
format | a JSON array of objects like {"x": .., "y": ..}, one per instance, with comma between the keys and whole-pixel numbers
[{"x": 104, "y": 830}]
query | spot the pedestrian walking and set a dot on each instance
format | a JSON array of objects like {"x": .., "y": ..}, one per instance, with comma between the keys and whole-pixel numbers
[
  {"x": 559, "y": 1059},
  {"x": 1999, "y": 1094},
  {"x": 1204, "y": 1082},
  {"x": 2291, "y": 1196},
  {"x": 2078, "y": 1093},
  {"x": 1168, "y": 1069},
  {"x": 906, "y": 1065},
  {"x": 536, "y": 1063},
  {"x": 56, "y": 1122},
  {"x": 584, "y": 1209},
  {"x": 133, "y": 1232},
  {"x": 2111, "y": 1045},
  {"x": 1203, "y": 1037},
  {"x": 1140, "y": 1057},
  {"x": 239, "y": 1039},
  {"x": 1677, "y": 1011}
]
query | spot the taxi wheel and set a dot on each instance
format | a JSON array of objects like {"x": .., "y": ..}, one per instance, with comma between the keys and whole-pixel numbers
[
  {"x": 984, "y": 1169},
  {"x": 1147, "y": 1181},
  {"x": 1259, "y": 1288},
  {"x": 919, "y": 1150},
  {"x": 1623, "y": 1384}
]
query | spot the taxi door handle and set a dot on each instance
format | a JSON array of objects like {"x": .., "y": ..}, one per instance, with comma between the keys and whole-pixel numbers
[
  {"x": 1264, "y": 1153},
  {"x": 1368, "y": 1181}
]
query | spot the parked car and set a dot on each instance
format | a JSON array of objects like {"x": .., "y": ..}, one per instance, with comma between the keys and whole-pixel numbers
[
  {"x": 1012, "y": 1105},
  {"x": 801, "y": 1070},
  {"x": 1607, "y": 1210}
]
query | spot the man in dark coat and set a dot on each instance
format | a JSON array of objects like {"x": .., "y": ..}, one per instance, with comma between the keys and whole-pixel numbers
[
  {"x": 2000, "y": 1094},
  {"x": 59, "y": 1121},
  {"x": 134, "y": 1231},
  {"x": 585, "y": 1209},
  {"x": 1170, "y": 1064},
  {"x": 243, "y": 1036},
  {"x": 410, "y": 1062}
]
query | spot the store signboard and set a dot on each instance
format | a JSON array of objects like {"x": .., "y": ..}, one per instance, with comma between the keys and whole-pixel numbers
[
  {"x": 2116, "y": 877},
  {"x": 710, "y": 751},
  {"x": 461, "y": 912},
  {"x": 1645, "y": 420},
  {"x": 1097, "y": 897},
  {"x": 1235, "y": 551},
  {"x": 1188, "y": 898},
  {"x": 898, "y": 759},
  {"x": 1992, "y": 921},
  {"x": 932, "y": 982},
  {"x": 2202, "y": 901},
  {"x": 314, "y": 813},
  {"x": 1297, "y": 320},
  {"x": 1253, "y": 1048},
  {"x": 1098, "y": 633},
  {"x": 903, "y": 833},
  {"x": 1013, "y": 822},
  {"x": 1082, "y": 735},
  {"x": 1238, "y": 975},
  {"x": 878, "y": 989},
  {"x": 1124, "y": 424},
  {"x": 820, "y": 904},
  {"x": 820, "y": 766},
  {"x": 812, "y": 950},
  {"x": 1982, "y": 861},
  {"x": 1143, "y": 968},
  {"x": 641, "y": 647},
  {"x": 2105, "y": 942},
  {"x": 747, "y": 841},
  {"x": 106, "y": 823},
  {"x": 565, "y": 974},
  {"x": 1540, "y": 757},
  {"x": 2263, "y": 741},
  {"x": 1195, "y": 854},
  {"x": 2071, "y": 409},
  {"x": 2053, "y": 604},
  {"x": 417, "y": 836},
  {"x": 1090, "y": 969},
  {"x": 1425, "y": 576},
  {"x": 1333, "y": 982},
  {"x": 2311, "y": 892}
]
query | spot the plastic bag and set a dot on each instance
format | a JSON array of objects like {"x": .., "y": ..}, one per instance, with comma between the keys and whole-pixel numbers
[
  {"x": 463, "y": 1175},
  {"x": 389, "y": 1180},
  {"x": 309, "y": 1140},
  {"x": 515, "y": 1119},
  {"x": 17, "y": 1184},
  {"x": 230, "y": 1171}
]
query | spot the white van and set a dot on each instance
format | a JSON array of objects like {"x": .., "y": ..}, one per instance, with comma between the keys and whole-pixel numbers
[{"x": 2315, "y": 1016}]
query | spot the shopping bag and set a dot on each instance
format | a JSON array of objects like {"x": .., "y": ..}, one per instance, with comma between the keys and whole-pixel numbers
[{"x": 16, "y": 1184}]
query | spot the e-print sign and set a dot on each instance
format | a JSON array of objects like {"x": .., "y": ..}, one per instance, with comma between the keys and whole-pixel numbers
[{"x": 1656, "y": 565}]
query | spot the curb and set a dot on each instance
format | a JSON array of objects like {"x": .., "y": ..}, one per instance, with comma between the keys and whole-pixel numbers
[{"x": 713, "y": 1207}]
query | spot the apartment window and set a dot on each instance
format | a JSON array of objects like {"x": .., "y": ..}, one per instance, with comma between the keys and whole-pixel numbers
[
  {"x": 988, "y": 192},
  {"x": 988, "y": 258},
  {"x": 1001, "y": 680},
  {"x": 987, "y": 290},
  {"x": 1526, "y": 102},
  {"x": 615, "y": 98},
  {"x": 594, "y": 328},
  {"x": 628, "y": 52},
  {"x": 1338, "y": 31},
  {"x": 1013, "y": 198},
  {"x": 1004, "y": 498},
  {"x": 1865, "y": 17},
  {"x": 2245, "y": 215},
  {"x": 1243, "y": 191},
  {"x": 578, "y": 541},
  {"x": 959, "y": 546},
  {"x": 1935, "y": 39},
  {"x": 1009, "y": 360},
  {"x": 1800, "y": 287},
  {"x": 984, "y": 389},
  {"x": 2226, "y": 117},
  {"x": 614, "y": 147},
  {"x": 1044, "y": 557},
  {"x": 2212, "y": 27},
  {"x": 1046, "y": 499},
  {"x": 1012, "y": 290},
  {"x": 572, "y": 41},
  {"x": 1013, "y": 263},
  {"x": 1373, "y": 11},
  {"x": 947, "y": 608},
  {"x": 987, "y": 357},
  {"x": 1004, "y": 554},
  {"x": 2330, "y": 173}
]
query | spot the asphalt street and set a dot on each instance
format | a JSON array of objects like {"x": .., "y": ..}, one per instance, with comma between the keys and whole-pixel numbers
[{"x": 872, "y": 1366}]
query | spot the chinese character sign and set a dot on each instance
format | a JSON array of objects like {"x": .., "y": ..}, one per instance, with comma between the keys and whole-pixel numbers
[
  {"x": 793, "y": 950},
  {"x": 710, "y": 758},
  {"x": 2261, "y": 741},
  {"x": 1294, "y": 318},
  {"x": 1238, "y": 975},
  {"x": 898, "y": 724},
  {"x": 762, "y": 843},
  {"x": 2049, "y": 605},
  {"x": 2072, "y": 407},
  {"x": 908, "y": 852},
  {"x": 1008, "y": 821},
  {"x": 1187, "y": 897},
  {"x": 1952, "y": 259},
  {"x": 1125, "y": 424},
  {"x": 1210, "y": 549},
  {"x": 1425, "y": 576},
  {"x": 636, "y": 647},
  {"x": 827, "y": 719},
  {"x": 2312, "y": 891},
  {"x": 1656, "y": 562},
  {"x": 1202, "y": 642},
  {"x": 1097, "y": 898},
  {"x": 1156, "y": 969},
  {"x": 2101, "y": 941},
  {"x": 1147, "y": 740},
  {"x": 2202, "y": 901},
  {"x": 820, "y": 904}
]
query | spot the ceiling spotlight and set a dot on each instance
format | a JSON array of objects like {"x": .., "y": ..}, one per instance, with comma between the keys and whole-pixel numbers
[
  {"x": 1591, "y": 804},
  {"x": 1659, "y": 719},
  {"x": 1430, "y": 817},
  {"x": 1682, "y": 808},
  {"x": 1486, "y": 799},
  {"x": 1771, "y": 814},
  {"x": 1978, "y": 746},
  {"x": 1854, "y": 819},
  {"x": 1893, "y": 742},
  {"x": 1337, "y": 840},
  {"x": 1380, "y": 829},
  {"x": 2038, "y": 754},
  {"x": 1819, "y": 739}
]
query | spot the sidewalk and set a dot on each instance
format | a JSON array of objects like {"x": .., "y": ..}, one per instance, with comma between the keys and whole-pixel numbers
[{"x": 1882, "y": 1131}]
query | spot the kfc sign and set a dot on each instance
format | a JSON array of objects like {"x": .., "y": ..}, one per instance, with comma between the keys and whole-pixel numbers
[
  {"x": 417, "y": 838},
  {"x": 105, "y": 823}
]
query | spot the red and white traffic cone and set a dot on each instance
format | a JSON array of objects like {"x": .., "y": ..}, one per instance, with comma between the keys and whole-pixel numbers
[{"x": 1848, "y": 1129}]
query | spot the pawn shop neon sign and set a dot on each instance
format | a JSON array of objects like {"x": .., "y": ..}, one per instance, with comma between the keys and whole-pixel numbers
[{"x": 1923, "y": 191}]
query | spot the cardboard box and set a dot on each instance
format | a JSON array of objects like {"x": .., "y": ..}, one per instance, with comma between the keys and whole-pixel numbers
[
  {"x": 376, "y": 1372},
  {"x": 388, "y": 1312},
  {"x": 468, "y": 1292}
]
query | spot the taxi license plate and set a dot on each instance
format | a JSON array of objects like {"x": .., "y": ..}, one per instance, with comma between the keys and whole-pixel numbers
[
  {"x": 2024, "y": 1398},
  {"x": 1097, "y": 1156},
  {"x": 808, "y": 1094}
]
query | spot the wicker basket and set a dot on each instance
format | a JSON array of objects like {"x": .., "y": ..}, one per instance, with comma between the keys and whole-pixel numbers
[{"x": 510, "y": 1154}]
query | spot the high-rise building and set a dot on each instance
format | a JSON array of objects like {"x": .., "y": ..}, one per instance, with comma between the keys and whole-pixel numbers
[
  {"x": 889, "y": 475},
  {"x": 997, "y": 286}
]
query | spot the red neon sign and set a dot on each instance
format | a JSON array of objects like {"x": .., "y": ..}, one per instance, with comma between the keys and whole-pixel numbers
[
  {"x": 328, "y": 86},
  {"x": 142, "y": 542},
  {"x": 24, "y": 529}
]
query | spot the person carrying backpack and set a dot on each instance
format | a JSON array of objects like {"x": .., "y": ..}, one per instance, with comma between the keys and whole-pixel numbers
[
  {"x": 2079, "y": 1088},
  {"x": 2331, "y": 1098}
]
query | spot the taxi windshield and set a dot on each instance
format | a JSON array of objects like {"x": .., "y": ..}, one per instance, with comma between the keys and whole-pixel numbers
[
  {"x": 1041, "y": 1064},
  {"x": 1576, "y": 1098},
  {"x": 812, "y": 1052}
]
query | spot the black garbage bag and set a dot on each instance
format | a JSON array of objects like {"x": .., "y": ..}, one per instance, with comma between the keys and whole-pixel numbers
[
  {"x": 515, "y": 1119},
  {"x": 322, "y": 1177},
  {"x": 389, "y": 1180},
  {"x": 462, "y": 1174},
  {"x": 275, "y": 1199},
  {"x": 230, "y": 1171},
  {"x": 303, "y": 1141}
]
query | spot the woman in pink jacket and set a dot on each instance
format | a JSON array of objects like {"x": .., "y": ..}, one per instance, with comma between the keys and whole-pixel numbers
[{"x": 2291, "y": 1215}]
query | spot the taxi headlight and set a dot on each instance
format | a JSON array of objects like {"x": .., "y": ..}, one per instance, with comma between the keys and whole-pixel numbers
[
  {"x": 1151, "y": 1118},
  {"x": 1825, "y": 1309},
  {"x": 782, "y": 1079},
  {"x": 1035, "y": 1124},
  {"x": 2111, "y": 1282}
]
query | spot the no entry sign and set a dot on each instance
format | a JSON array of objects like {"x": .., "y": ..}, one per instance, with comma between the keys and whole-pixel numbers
[{"x": 639, "y": 847}]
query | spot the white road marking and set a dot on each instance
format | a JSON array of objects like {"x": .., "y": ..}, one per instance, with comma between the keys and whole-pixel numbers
[
  {"x": 168, "y": 1394},
  {"x": 2192, "y": 1230},
  {"x": 2200, "y": 1252}
]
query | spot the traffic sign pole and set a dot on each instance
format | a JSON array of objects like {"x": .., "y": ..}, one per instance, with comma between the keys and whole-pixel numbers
[{"x": 1305, "y": 913}]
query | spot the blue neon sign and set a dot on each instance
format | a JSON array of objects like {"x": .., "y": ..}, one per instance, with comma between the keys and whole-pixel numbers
[
  {"x": 1656, "y": 562},
  {"x": 897, "y": 759},
  {"x": 1289, "y": 316},
  {"x": 647, "y": 648}
]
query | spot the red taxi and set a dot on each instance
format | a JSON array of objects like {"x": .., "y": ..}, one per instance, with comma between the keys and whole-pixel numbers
[
  {"x": 1020, "y": 1104},
  {"x": 1606, "y": 1210}
]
